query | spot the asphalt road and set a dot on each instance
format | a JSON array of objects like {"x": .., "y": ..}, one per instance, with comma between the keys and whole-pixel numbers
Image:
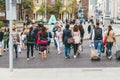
[{"x": 58, "y": 61}]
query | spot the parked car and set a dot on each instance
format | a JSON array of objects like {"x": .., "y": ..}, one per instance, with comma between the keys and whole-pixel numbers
[{"x": 117, "y": 21}]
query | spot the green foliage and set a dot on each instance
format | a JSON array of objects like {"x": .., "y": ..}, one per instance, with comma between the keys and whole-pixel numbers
[
  {"x": 56, "y": 7},
  {"x": 2, "y": 4},
  {"x": 28, "y": 5},
  {"x": 42, "y": 9},
  {"x": 1, "y": 24}
]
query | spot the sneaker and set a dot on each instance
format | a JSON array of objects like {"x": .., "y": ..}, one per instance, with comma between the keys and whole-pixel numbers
[
  {"x": 32, "y": 57},
  {"x": 28, "y": 59},
  {"x": 68, "y": 57},
  {"x": 110, "y": 57},
  {"x": 4, "y": 50},
  {"x": 0, "y": 55},
  {"x": 48, "y": 51},
  {"x": 75, "y": 56},
  {"x": 59, "y": 52},
  {"x": 39, "y": 52}
]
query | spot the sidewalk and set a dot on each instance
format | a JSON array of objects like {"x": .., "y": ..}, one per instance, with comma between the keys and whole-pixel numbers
[{"x": 61, "y": 74}]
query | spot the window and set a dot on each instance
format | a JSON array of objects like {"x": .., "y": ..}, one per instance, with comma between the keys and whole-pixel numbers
[
  {"x": 118, "y": 9},
  {"x": 37, "y": 2},
  {"x": 52, "y": 1},
  {"x": 62, "y": 1},
  {"x": 43, "y": 1},
  {"x": 68, "y": 2}
]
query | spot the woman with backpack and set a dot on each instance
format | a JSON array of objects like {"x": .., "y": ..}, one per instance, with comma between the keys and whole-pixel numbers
[{"x": 30, "y": 42}]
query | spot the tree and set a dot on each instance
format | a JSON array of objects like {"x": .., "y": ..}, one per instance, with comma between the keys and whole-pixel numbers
[
  {"x": 42, "y": 9},
  {"x": 28, "y": 6},
  {"x": 2, "y": 4},
  {"x": 1, "y": 24},
  {"x": 56, "y": 8}
]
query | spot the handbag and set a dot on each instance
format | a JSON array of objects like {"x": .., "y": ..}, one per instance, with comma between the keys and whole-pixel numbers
[
  {"x": 38, "y": 42},
  {"x": 43, "y": 42},
  {"x": 105, "y": 40},
  {"x": 70, "y": 40},
  {"x": 80, "y": 48},
  {"x": 19, "y": 49}
]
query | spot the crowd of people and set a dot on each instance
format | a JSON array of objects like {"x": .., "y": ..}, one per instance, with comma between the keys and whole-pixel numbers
[{"x": 39, "y": 37}]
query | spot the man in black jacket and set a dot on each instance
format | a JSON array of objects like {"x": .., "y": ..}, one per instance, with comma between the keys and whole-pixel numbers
[{"x": 30, "y": 42}]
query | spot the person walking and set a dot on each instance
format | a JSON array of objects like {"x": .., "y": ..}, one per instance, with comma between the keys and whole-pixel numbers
[
  {"x": 1, "y": 38},
  {"x": 82, "y": 32},
  {"x": 30, "y": 42},
  {"x": 35, "y": 30},
  {"x": 6, "y": 39},
  {"x": 110, "y": 39},
  {"x": 97, "y": 37},
  {"x": 55, "y": 28},
  {"x": 15, "y": 37},
  {"x": 76, "y": 37},
  {"x": 91, "y": 28},
  {"x": 43, "y": 42},
  {"x": 90, "y": 31},
  {"x": 49, "y": 38},
  {"x": 58, "y": 39},
  {"x": 66, "y": 35}
]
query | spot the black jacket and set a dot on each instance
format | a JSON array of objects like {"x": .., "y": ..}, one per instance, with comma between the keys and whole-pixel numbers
[
  {"x": 1, "y": 36},
  {"x": 30, "y": 37}
]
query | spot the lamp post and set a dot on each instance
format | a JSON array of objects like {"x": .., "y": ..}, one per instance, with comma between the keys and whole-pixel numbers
[
  {"x": 10, "y": 36},
  {"x": 107, "y": 14},
  {"x": 45, "y": 11}
]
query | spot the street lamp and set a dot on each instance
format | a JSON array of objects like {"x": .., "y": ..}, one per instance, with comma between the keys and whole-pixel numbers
[
  {"x": 45, "y": 11},
  {"x": 107, "y": 14}
]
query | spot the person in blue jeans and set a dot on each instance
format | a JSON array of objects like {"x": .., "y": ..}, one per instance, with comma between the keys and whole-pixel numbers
[
  {"x": 67, "y": 34},
  {"x": 97, "y": 37},
  {"x": 110, "y": 38}
]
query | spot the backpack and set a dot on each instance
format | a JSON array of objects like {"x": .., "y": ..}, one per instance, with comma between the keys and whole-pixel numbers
[
  {"x": 31, "y": 37},
  {"x": 89, "y": 29},
  {"x": 49, "y": 36},
  {"x": 98, "y": 34}
]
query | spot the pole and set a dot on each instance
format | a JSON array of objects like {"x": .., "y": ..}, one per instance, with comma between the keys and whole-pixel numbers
[
  {"x": 45, "y": 9},
  {"x": 107, "y": 14},
  {"x": 10, "y": 40}
]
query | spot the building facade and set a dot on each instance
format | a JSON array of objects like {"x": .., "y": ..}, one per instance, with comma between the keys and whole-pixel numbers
[
  {"x": 37, "y": 4},
  {"x": 66, "y": 11},
  {"x": 85, "y": 7}
]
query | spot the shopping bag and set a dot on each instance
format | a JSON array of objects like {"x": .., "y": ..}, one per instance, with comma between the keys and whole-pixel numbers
[
  {"x": 80, "y": 48},
  {"x": 19, "y": 49}
]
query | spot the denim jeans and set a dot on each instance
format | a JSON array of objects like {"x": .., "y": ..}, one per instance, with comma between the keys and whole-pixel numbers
[
  {"x": 6, "y": 44},
  {"x": 97, "y": 45},
  {"x": 109, "y": 47},
  {"x": 67, "y": 49},
  {"x": 28, "y": 49},
  {"x": 15, "y": 46}
]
